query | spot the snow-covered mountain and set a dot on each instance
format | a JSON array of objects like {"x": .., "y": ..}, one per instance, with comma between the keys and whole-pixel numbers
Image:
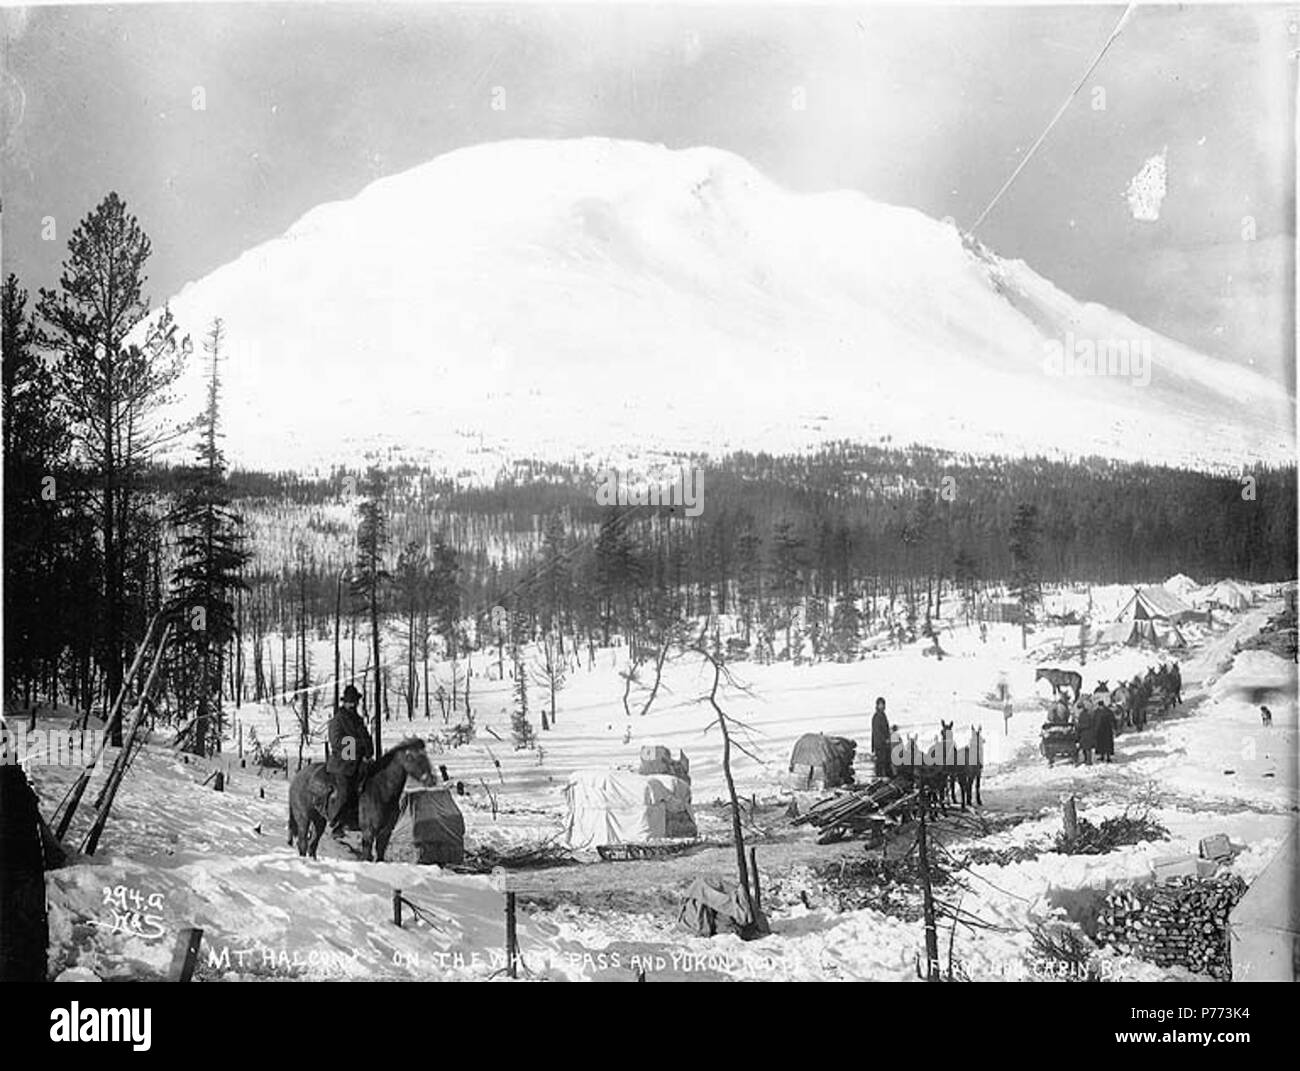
[{"x": 614, "y": 300}]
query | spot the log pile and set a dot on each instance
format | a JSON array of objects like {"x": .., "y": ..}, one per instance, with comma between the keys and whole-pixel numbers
[
  {"x": 1181, "y": 922},
  {"x": 859, "y": 807}
]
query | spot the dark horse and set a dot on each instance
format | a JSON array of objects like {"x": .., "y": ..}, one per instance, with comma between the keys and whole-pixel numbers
[
  {"x": 970, "y": 769},
  {"x": 378, "y": 804},
  {"x": 1062, "y": 677},
  {"x": 929, "y": 771}
]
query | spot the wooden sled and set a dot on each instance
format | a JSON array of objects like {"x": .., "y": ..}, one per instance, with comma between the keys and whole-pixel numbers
[{"x": 621, "y": 853}]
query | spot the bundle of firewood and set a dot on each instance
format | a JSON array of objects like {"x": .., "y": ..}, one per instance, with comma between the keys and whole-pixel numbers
[
  {"x": 1016, "y": 853},
  {"x": 1180, "y": 922},
  {"x": 891, "y": 886},
  {"x": 538, "y": 855},
  {"x": 1088, "y": 839}
]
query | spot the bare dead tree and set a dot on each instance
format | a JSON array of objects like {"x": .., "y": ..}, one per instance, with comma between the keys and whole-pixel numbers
[{"x": 721, "y": 675}]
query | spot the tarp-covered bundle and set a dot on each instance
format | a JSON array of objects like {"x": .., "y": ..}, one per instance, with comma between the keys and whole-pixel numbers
[
  {"x": 620, "y": 807},
  {"x": 822, "y": 760},
  {"x": 713, "y": 907},
  {"x": 1264, "y": 927},
  {"x": 437, "y": 826},
  {"x": 657, "y": 759}
]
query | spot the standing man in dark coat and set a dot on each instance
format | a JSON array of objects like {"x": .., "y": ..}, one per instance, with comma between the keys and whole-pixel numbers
[
  {"x": 880, "y": 741},
  {"x": 1104, "y": 727},
  {"x": 1087, "y": 730},
  {"x": 350, "y": 749}
]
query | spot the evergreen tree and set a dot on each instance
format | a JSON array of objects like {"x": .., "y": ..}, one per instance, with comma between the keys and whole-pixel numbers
[
  {"x": 965, "y": 570},
  {"x": 818, "y": 626},
  {"x": 619, "y": 571},
  {"x": 785, "y": 563},
  {"x": 414, "y": 587},
  {"x": 1026, "y": 584},
  {"x": 37, "y": 552},
  {"x": 211, "y": 549},
  {"x": 445, "y": 602},
  {"x": 521, "y": 728},
  {"x": 370, "y": 581},
  {"x": 556, "y": 580},
  {"x": 113, "y": 391},
  {"x": 846, "y": 629}
]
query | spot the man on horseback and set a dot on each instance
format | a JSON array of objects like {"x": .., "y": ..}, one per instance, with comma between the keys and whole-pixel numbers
[{"x": 350, "y": 750}]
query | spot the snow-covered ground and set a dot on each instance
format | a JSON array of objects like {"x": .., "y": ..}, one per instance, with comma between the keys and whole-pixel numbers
[{"x": 219, "y": 860}]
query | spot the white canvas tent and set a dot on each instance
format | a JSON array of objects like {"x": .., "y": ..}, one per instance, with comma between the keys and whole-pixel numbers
[
  {"x": 1228, "y": 594},
  {"x": 1264, "y": 927},
  {"x": 620, "y": 807},
  {"x": 1156, "y": 604},
  {"x": 1181, "y": 585}
]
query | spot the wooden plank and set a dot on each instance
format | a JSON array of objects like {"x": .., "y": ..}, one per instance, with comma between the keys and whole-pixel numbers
[{"x": 187, "y": 953}]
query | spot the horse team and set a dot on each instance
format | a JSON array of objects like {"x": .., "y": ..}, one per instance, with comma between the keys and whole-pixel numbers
[
  {"x": 942, "y": 772},
  {"x": 1160, "y": 689}
]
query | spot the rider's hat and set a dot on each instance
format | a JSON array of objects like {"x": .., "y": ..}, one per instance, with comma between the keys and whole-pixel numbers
[{"x": 351, "y": 695}]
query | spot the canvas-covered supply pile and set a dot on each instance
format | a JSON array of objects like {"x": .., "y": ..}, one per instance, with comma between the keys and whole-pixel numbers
[
  {"x": 821, "y": 761},
  {"x": 606, "y": 807},
  {"x": 1180, "y": 922},
  {"x": 437, "y": 826}
]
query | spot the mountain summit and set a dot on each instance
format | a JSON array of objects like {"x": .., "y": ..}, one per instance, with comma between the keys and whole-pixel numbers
[{"x": 613, "y": 300}]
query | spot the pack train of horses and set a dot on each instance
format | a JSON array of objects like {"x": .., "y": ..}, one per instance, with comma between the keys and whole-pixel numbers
[{"x": 1130, "y": 704}]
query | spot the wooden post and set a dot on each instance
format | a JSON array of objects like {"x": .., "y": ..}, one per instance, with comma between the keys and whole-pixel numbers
[
  {"x": 187, "y": 953},
  {"x": 219, "y": 782},
  {"x": 397, "y": 907},
  {"x": 753, "y": 871},
  {"x": 1070, "y": 819},
  {"x": 511, "y": 942},
  {"x": 931, "y": 930}
]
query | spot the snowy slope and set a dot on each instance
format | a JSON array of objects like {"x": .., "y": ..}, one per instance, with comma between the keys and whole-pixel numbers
[{"x": 611, "y": 299}]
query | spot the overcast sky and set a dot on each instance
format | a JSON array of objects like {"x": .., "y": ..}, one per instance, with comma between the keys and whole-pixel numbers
[{"x": 927, "y": 107}]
